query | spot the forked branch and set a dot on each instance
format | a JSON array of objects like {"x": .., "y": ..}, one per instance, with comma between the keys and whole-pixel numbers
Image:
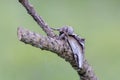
[{"x": 52, "y": 43}]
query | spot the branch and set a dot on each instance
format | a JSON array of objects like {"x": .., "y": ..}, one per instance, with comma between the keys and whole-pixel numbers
[
  {"x": 30, "y": 9},
  {"x": 58, "y": 47},
  {"x": 51, "y": 43},
  {"x": 46, "y": 43},
  {"x": 43, "y": 42}
]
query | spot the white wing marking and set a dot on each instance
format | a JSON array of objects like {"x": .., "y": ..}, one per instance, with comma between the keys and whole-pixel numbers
[{"x": 77, "y": 50}]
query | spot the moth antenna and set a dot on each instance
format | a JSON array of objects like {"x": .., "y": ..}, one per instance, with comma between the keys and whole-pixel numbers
[{"x": 55, "y": 29}]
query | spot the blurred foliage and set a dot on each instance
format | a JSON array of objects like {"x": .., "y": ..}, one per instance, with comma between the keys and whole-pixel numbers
[{"x": 98, "y": 21}]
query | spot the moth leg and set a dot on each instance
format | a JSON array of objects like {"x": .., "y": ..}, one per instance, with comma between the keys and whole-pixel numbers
[{"x": 62, "y": 36}]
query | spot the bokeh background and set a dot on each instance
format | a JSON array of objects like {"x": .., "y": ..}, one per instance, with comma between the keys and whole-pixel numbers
[{"x": 98, "y": 21}]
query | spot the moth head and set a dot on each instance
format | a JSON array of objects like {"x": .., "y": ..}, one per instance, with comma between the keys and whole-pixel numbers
[{"x": 66, "y": 29}]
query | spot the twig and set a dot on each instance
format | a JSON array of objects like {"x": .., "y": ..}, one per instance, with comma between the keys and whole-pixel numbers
[
  {"x": 30, "y": 9},
  {"x": 39, "y": 41},
  {"x": 45, "y": 43},
  {"x": 50, "y": 43},
  {"x": 58, "y": 47}
]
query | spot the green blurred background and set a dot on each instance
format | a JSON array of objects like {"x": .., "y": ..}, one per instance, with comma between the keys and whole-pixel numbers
[{"x": 98, "y": 21}]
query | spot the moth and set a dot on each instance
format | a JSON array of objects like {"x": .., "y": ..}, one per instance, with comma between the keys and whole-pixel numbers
[{"x": 76, "y": 43}]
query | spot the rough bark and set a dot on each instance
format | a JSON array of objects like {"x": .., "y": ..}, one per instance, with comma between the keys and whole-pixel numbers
[
  {"x": 51, "y": 43},
  {"x": 30, "y": 9}
]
